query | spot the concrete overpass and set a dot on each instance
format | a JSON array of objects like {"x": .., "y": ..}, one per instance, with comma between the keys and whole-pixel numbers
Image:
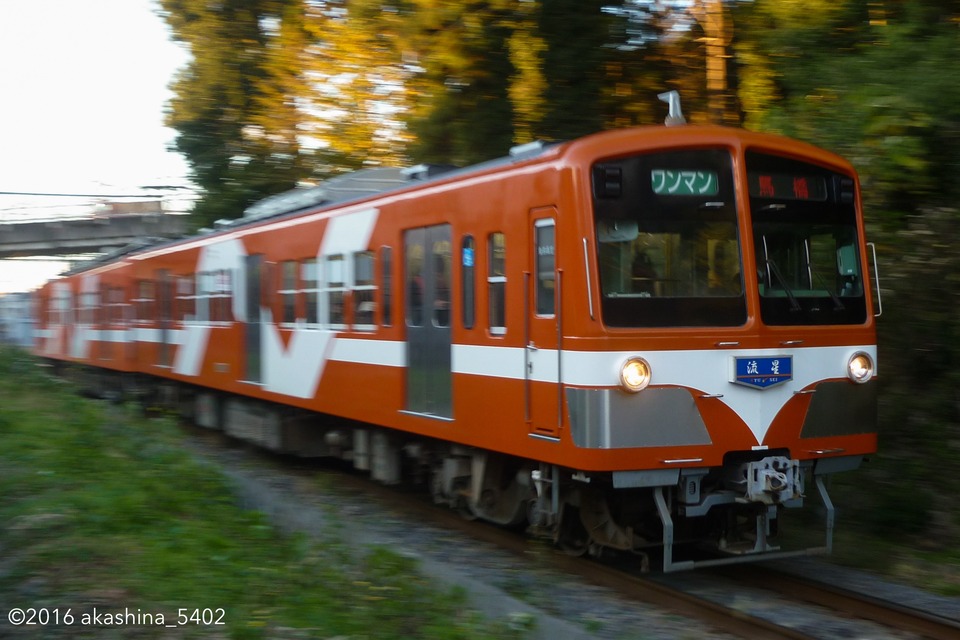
[{"x": 86, "y": 235}]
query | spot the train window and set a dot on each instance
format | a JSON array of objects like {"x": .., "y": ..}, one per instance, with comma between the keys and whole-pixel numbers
[
  {"x": 186, "y": 300},
  {"x": 103, "y": 297},
  {"x": 116, "y": 305},
  {"x": 113, "y": 299},
  {"x": 54, "y": 314},
  {"x": 204, "y": 286},
  {"x": 414, "y": 277},
  {"x": 288, "y": 291},
  {"x": 91, "y": 306},
  {"x": 364, "y": 290},
  {"x": 69, "y": 312},
  {"x": 546, "y": 280},
  {"x": 144, "y": 301},
  {"x": 806, "y": 241},
  {"x": 164, "y": 297},
  {"x": 386, "y": 286},
  {"x": 86, "y": 309},
  {"x": 221, "y": 297},
  {"x": 441, "y": 283},
  {"x": 497, "y": 283},
  {"x": 427, "y": 277},
  {"x": 207, "y": 296},
  {"x": 213, "y": 293},
  {"x": 308, "y": 288},
  {"x": 668, "y": 244},
  {"x": 333, "y": 290},
  {"x": 96, "y": 307},
  {"x": 467, "y": 286}
]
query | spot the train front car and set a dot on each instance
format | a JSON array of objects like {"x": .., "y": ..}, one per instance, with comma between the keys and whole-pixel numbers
[{"x": 734, "y": 304}]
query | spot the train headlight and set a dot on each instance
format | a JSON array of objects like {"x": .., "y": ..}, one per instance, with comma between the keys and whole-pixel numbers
[
  {"x": 634, "y": 375},
  {"x": 860, "y": 367}
]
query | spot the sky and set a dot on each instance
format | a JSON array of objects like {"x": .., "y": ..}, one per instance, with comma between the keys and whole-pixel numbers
[{"x": 84, "y": 86}]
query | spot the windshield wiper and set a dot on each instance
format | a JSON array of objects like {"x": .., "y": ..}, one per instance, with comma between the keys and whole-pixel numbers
[
  {"x": 794, "y": 303},
  {"x": 837, "y": 304}
]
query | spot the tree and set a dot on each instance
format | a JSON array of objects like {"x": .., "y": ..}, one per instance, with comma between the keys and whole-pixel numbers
[
  {"x": 900, "y": 129},
  {"x": 575, "y": 33},
  {"x": 359, "y": 84},
  {"x": 462, "y": 112},
  {"x": 236, "y": 124},
  {"x": 877, "y": 82},
  {"x": 713, "y": 17}
]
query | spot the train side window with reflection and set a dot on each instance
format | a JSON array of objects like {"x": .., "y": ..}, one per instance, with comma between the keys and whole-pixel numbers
[
  {"x": 334, "y": 284},
  {"x": 144, "y": 301},
  {"x": 288, "y": 291},
  {"x": 441, "y": 283},
  {"x": 467, "y": 287},
  {"x": 386, "y": 284},
  {"x": 103, "y": 297},
  {"x": 203, "y": 297},
  {"x": 364, "y": 290},
  {"x": 209, "y": 295},
  {"x": 186, "y": 300},
  {"x": 54, "y": 310},
  {"x": 106, "y": 301},
  {"x": 117, "y": 305},
  {"x": 414, "y": 283},
  {"x": 546, "y": 280},
  {"x": 309, "y": 290},
  {"x": 497, "y": 283},
  {"x": 221, "y": 296}
]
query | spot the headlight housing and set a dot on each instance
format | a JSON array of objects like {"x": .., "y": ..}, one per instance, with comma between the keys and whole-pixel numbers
[
  {"x": 860, "y": 367},
  {"x": 635, "y": 375}
]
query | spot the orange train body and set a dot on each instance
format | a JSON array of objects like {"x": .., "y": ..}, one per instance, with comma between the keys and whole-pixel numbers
[{"x": 489, "y": 313}]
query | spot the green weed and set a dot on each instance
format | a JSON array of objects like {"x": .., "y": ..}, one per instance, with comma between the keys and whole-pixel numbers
[{"x": 100, "y": 507}]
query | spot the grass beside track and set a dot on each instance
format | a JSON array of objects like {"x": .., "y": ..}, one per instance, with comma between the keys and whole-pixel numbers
[{"x": 103, "y": 511}]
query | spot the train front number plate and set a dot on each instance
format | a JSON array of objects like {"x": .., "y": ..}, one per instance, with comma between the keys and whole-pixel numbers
[{"x": 762, "y": 372}]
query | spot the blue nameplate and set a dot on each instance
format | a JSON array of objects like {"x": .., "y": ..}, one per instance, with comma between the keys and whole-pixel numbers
[{"x": 763, "y": 372}]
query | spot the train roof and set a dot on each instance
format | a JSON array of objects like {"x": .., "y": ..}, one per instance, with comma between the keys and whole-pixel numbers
[
  {"x": 367, "y": 183},
  {"x": 349, "y": 187}
]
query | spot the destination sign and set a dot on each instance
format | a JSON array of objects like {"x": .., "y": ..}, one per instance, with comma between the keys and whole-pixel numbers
[
  {"x": 786, "y": 186},
  {"x": 684, "y": 182}
]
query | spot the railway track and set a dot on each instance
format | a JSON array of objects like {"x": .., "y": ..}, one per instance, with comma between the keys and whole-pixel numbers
[
  {"x": 627, "y": 584},
  {"x": 925, "y": 624},
  {"x": 671, "y": 594},
  {"x": 681, "y": 594}
]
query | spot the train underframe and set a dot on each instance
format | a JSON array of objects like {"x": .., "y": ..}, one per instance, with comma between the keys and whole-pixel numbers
[
  {"x": 715, "y": 515},
  {"x": 718, "y": 516}
]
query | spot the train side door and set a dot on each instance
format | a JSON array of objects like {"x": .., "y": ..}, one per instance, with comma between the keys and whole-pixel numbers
[
  {"x": 427, "y": 318},
  {"x": 251, "y": 327},
  {"x": 542, "y": 355}
]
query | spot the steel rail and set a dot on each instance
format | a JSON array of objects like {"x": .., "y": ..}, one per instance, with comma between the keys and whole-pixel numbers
[{"x": 890, "y": 614}]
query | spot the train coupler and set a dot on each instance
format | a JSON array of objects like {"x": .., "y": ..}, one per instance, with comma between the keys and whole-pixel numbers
[{"x": 772, "y": 480}]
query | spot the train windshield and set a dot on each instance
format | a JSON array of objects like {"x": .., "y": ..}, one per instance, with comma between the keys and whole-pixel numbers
[
  {"x": 805, "y": 239},
  {"x": 668, "y": 245}
]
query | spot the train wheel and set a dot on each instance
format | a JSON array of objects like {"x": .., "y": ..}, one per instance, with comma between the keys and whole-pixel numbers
[
  {"x": 463, "y": 508},
  {"x": 572, "y": 537},
  {"x": 436, "y": 487}
]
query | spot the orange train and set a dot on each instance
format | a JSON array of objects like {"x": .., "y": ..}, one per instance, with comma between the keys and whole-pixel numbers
[{"x": 657, "y": 337}]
